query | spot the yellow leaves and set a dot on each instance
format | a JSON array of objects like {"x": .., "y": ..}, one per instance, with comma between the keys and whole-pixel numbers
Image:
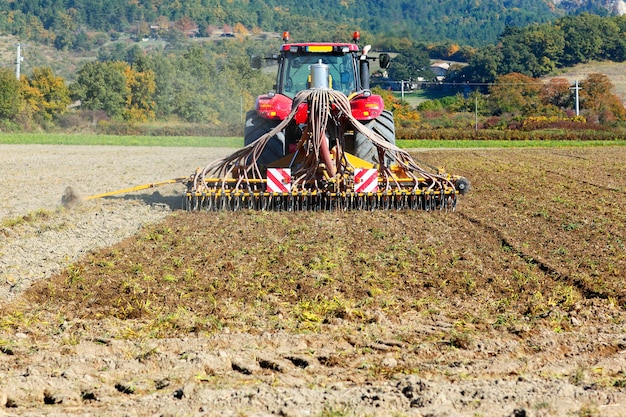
[
  {"x": 541, "y": 120},
  {"x": 240, "y": 28},
  {"x": 139, "y": 100},
  {"x": 453, "y": 49},
  {"x": 401, "y": 110},
  {"x": 44, "y": 93},
  {"x": 32, "y": 98}
]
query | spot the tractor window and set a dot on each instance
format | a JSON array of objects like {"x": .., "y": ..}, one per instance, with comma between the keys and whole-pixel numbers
[{"x": 297, "y": 72}]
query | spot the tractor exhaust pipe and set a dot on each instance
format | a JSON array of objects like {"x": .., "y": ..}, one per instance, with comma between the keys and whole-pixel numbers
[{"x": 364, "y": 67}]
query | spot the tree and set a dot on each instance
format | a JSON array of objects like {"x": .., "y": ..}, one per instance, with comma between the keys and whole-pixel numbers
[
  {"x": 10, "y": 99},
  {"x": 533, "y": 51},
  {"x": 483, "y": 66},
  {"x": 556, "y": 92},
  {"x": 139, "y": 101},
  {"x": 31, "y": 99},
  {"x": 412, "y": 63},
  {"x": 598, "y": 99},
  {"x": 583, "y": 37},
  {"x": 102, "y": 86},
  {"x": 516, "y": 93},
  {"x": 165, "y": 76},
  {"x": 54, "y": 93},
  {"x": 117, "y": 88}
]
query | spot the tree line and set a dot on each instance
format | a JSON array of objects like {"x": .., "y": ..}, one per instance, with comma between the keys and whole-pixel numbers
[
  {"x": 213, "y": 86},
  {"x": 517, "y": 101},
  {"x": 537, "y": 50},
  {"x": 79, "y": 24},
  {"x": 213, "y": 83},
  {"x": 210, "y": 83}
]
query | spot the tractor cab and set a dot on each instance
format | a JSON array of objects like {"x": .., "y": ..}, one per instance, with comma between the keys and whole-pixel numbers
[
  {"x": 348, "y": 65},
  {"x": 295, "y": 74}
]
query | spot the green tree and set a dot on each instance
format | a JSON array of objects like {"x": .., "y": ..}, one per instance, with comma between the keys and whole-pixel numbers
[
  {"x": 101, "y": 86},
  {"x": 483, "y": 66},
  {"x": 10, "y": 99},
  {"x": 165, "y": 75},
  {"x": 412, "y": 63},
  {"x": 583, "y": 37},
  {"x": 534, "y": 51},
  {"x": 195, "y": 79}
]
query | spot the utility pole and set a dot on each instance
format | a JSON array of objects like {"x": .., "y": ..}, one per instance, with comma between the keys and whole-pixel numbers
[
  {"x": 476, "y": 111},
  {"x": 20, "y": 58},
  {"x": 576, "y": 95}
]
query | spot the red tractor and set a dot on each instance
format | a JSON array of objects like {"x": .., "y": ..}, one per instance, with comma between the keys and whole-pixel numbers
[
  {"x": 321, "y": 141},
  {"x": 348, "y": 68}
]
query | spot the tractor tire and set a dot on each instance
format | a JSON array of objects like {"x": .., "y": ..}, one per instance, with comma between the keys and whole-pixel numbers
[
  {"x": 257, "y": 126},
  {"x": 365, "y": 149}
]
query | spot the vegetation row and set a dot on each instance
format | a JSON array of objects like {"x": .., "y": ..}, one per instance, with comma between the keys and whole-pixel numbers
[
  {"x": 69, "y": 24},
  {"x": 205, "y": 88}
]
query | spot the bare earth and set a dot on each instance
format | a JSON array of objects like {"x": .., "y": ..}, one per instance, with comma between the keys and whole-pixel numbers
[{"x": 83, "y": 367}]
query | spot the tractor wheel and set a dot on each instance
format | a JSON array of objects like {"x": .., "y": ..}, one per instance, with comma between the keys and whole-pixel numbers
[
  {"x": 257, "y": 126},
  {"x": 365, "y": 149}
]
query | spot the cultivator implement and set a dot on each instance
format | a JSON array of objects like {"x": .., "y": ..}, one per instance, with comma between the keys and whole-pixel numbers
[
  {"x": 320, "y": 174},
  {"x": 313, "y": 201}
]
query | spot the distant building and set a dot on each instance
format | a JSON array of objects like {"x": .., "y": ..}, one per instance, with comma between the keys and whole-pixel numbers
[{"x": 440, "y": 69}]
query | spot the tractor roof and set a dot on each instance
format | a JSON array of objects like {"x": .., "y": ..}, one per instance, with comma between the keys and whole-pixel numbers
[{"x": 320, "y": 47}]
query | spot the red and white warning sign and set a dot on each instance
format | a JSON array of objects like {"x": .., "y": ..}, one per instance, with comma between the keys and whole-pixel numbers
[
  {"x": 278, "y": 180},
  {"x": 365, "y": 180}
]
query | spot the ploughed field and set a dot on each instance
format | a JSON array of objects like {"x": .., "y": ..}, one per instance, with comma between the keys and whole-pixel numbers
[{"x": 514, "y": 303}]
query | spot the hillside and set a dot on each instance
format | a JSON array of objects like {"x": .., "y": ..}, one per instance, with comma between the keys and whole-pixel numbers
[
  {"x": 613, "y": 70},
  {"x": 36, "y": 55},
  {"x": 68, "y": 24}
]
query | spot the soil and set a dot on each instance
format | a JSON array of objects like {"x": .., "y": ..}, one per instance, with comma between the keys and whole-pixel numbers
[{"x": 513, "y": 305}]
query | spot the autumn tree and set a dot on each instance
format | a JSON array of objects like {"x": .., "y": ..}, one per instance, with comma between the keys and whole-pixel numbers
[
  {"x": 46, "y": 94},
  {"x": 186, "y": 26},
  {"x": 139, "y": 102},
  {"x": 31, "y": 99},
  {"x": 598, "y": 99},
  {"x": 240, "y": 29},
  {"x": 557, "y": 93},
  {"x": 516, "y": 93}
]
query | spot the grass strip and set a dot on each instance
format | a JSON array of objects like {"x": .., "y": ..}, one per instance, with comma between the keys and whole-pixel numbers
[
  {"x": 113, "y": 140},
  {"x": 237, "y": 142},
  {"x": 466, "y": 144}
]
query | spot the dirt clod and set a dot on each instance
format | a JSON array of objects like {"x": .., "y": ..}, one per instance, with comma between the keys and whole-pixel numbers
[{"x": 70, "y": 199}]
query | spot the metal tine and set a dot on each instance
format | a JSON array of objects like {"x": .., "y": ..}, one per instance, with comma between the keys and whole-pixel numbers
[{"x": 229, "y": 200}]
